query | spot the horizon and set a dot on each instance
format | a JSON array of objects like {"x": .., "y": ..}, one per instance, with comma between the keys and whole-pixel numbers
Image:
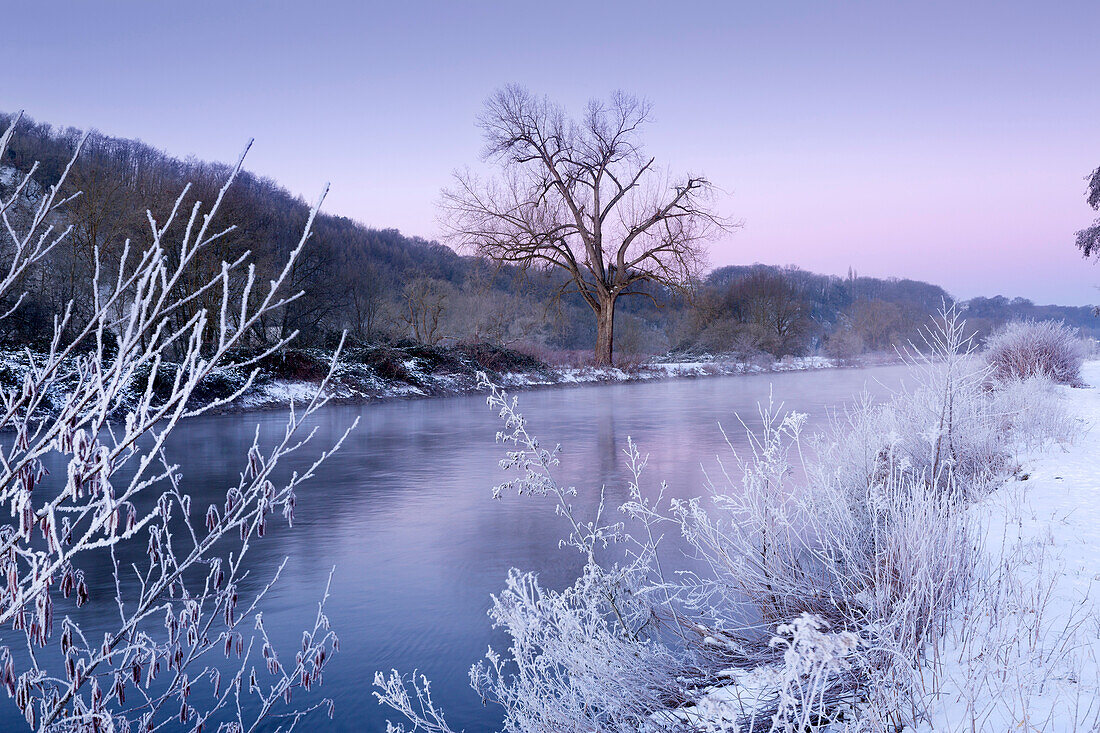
[{"x": 839, "y": 130}]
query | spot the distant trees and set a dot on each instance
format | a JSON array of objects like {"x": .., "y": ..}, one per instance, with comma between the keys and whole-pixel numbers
[
  {"x": 581, "y": 196},
  {"x": 878, "y": 323},
  {"x": 773, "y": 308},
  {"x": 843, "y": 344},
  {"x": 985, "y": 315},
  {"x": 759, "y": 309},
  {"x": 354, "y": 277},
  {"x": 365, "y": 293},
  {"x": 350, "y": 276}
]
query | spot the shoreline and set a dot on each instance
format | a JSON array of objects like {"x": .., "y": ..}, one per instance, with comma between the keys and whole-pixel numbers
[
  {"x": 276, "y": 394},
  {"x": 387, "y": 373}
]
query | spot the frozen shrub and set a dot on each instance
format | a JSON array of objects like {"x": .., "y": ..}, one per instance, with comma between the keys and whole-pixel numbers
[
  {"x": 1025, "y": 349},
  {"x": 870, "y": 549},
  {"x": 495, "y": 358},
  {"x": 118, "y": 499},
  {"x": 570, "y": 660},
  {"x": 811, "y": 658},
  {"x": 1029, "y": 413}
]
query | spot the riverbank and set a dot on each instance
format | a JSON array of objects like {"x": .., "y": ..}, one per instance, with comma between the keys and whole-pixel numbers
[
  {"x": 422, "y": 372},
  {"x": 1022, "y": 649},
  {"x": 387, "y": 372},
  {"x": 1025, "y": 655}
]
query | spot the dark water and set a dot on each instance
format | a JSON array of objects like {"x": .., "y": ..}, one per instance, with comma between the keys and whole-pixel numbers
[{"x": 404, "y": 513}]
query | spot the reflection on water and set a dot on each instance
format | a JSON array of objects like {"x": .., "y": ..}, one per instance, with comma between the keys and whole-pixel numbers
[{"x": 404, "y": 513}]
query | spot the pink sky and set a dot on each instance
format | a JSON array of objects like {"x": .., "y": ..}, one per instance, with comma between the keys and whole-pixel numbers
[{"x": 935, "y": 140}]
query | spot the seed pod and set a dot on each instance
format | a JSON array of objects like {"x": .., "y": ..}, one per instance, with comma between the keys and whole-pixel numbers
[
  {"x": 119, "y": 689},
  {"x": 68, "y": 583}
]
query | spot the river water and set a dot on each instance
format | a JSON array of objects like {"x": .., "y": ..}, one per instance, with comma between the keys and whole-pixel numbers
[{"x": 404, "y": 512}]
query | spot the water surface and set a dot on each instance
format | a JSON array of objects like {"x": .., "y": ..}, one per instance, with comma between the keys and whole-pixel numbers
[{"x": 404, "y": 513}]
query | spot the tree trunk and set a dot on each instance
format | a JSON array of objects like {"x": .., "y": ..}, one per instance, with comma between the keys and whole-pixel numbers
[{"x": 605, "y": 332}]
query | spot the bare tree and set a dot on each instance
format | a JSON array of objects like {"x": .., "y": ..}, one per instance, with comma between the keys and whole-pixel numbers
[
  {"x": 90, "y": 403},
  {"x": 425, "y": 300},
  {"x": 582, "y": 196},
  {"x": 365, "y": 295}
]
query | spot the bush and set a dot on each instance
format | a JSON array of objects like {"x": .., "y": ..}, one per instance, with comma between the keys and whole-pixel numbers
[
  {"x": 1025, "y": 349},
  {"x": 220, "y": 384},
  {"x": 386, "y": 361},
  {"x": 433, "y": 358},
  {"x": 296, "y": 364},
  {"x": 496, "y": 358}
]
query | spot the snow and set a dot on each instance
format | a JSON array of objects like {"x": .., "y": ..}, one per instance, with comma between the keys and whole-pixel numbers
[
  {"x": 360, "y": 383},
  {"x": 655, "y": 370},
  {"x": 277, "y": 393},
  {"x": 724, "y": 708},
  {"x": 1043, "y": 531}
]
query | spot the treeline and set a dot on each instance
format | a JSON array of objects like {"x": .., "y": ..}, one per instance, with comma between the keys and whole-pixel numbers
[
  {"x": 788, "y": 311},
  {"x": 380, "y": 285}
]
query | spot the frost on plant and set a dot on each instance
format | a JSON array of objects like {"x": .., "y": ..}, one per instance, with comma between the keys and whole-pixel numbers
[
  {"x": 180, "y": 605},
  {"x": 1024, "y": 349}
]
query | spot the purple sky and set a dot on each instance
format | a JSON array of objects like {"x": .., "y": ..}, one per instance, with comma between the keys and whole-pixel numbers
[{"x": 942, "y": 141}]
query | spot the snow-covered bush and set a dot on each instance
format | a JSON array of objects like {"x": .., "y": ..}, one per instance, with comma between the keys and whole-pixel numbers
[
  {"x": 100, "y": 400},
  {"x": 883, "y": 553},
  {"x": 1030, "y": 414},
  {"x": 812, "y": 658},
  {"x": 1023, "y": 349}
]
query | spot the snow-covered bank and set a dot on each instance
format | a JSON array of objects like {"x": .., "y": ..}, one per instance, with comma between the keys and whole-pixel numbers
[
  {"x": 1022, "y": 651},
  {"x": 355, "y": 383},
  {"x": 1025, "y": 652},
  {"x": 389, "y": 372}
]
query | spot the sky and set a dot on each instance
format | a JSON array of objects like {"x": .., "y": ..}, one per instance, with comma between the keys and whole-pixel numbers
[{"x": 940, "y": 141}]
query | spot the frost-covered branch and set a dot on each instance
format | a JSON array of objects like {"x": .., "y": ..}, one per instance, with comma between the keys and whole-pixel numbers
[{"x": 103, "y": 400}]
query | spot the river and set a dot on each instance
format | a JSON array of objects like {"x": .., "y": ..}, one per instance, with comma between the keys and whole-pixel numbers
[{"x": 404, "y": 512}]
